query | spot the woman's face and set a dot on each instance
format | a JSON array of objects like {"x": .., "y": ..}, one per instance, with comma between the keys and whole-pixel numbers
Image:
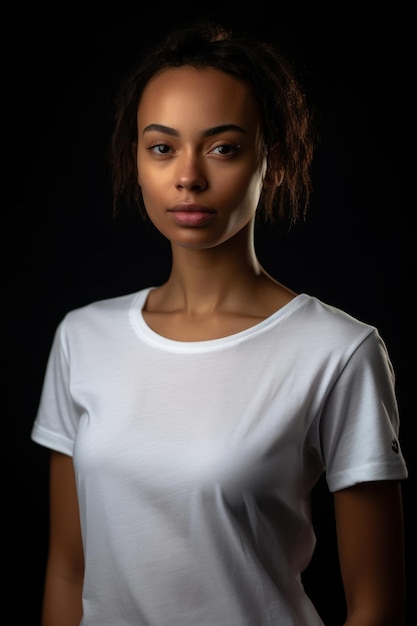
[{"x": 199, "y": 155}]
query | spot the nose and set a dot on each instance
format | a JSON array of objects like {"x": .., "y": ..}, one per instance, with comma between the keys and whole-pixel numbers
[{"x": 190, "y": 174}]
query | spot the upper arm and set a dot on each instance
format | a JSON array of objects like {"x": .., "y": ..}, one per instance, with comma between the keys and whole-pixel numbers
[
  {"x": 369, "y": 522},
  {"x": 65, "y": 549},
  {"x": 62, "y": 603}
]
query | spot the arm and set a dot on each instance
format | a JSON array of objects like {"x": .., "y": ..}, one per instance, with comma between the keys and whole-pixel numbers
[
  {"x": 369, "y": 522},
  {"x": 65, "y": 564}
]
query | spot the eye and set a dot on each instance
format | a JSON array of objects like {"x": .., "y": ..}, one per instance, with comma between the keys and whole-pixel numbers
[
  {"x": 226, "y": 149},
  {"x": 160, "y": 148}
]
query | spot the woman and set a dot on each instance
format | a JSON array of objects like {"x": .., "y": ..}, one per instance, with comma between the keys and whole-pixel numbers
[{"x": 190, "y": 421}]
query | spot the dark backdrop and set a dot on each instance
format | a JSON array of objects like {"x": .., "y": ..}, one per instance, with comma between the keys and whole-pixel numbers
[{"x": 63, "y": 249}]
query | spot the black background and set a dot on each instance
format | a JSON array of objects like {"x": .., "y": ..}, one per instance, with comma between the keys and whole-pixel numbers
[{"x": 63, "y": 249}]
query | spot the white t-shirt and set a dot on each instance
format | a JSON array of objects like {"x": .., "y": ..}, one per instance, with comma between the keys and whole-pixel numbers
[{"x": 195, "y": 460}]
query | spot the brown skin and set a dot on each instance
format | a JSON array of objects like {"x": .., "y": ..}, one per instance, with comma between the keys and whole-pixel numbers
[
  {"x": 65, "y": 566},
  {"x": 369, "y": 527},
  {"x": 216, "y": 288}
]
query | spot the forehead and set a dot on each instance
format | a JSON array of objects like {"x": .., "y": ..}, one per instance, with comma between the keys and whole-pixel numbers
[{"x": 207, "y": 95}]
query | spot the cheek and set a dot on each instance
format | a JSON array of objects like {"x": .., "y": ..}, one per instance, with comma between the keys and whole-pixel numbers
[
  {"x": 139, "y": 173},
  {"x": 144, "y": 170},
  {"x": 150, "y": 194},
  {"x": 246, "y": 189},
  {"x": 148, "y": 180},
  {"x": 154, "y": 194}
]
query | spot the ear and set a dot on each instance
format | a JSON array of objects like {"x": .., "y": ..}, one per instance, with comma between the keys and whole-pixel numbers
[
  {"x": 274, "y": 177},
  {"x": 274, "y": 171}
]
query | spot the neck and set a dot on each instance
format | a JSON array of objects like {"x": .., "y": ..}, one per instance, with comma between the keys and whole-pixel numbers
[{"x": 211, "y": 279}]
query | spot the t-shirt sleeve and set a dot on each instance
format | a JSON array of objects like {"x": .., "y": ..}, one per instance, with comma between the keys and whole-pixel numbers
[
  {"x": 359, "y": 425},
  {"x": 57, "y": 418}
]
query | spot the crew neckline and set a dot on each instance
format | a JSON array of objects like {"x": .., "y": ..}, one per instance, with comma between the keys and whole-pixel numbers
[{"x": 145, "y": 332}]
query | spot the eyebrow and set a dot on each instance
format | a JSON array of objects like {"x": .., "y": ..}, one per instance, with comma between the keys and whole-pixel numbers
[{"x": 210, "y": 132}]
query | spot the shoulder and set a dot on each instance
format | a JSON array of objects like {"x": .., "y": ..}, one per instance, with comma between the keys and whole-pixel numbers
[
  {"x": 107, "y": 307},
  {"x": 95, "y": 317},
  {"x": 328, "y": 333},
  {"x": 330, "y": 320}
]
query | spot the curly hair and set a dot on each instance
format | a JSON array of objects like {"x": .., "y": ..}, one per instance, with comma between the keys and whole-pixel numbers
[{"x": 287, "y": 129}]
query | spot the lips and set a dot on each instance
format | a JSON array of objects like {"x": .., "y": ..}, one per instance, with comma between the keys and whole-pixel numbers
[{"x": 191, "y": 215}]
